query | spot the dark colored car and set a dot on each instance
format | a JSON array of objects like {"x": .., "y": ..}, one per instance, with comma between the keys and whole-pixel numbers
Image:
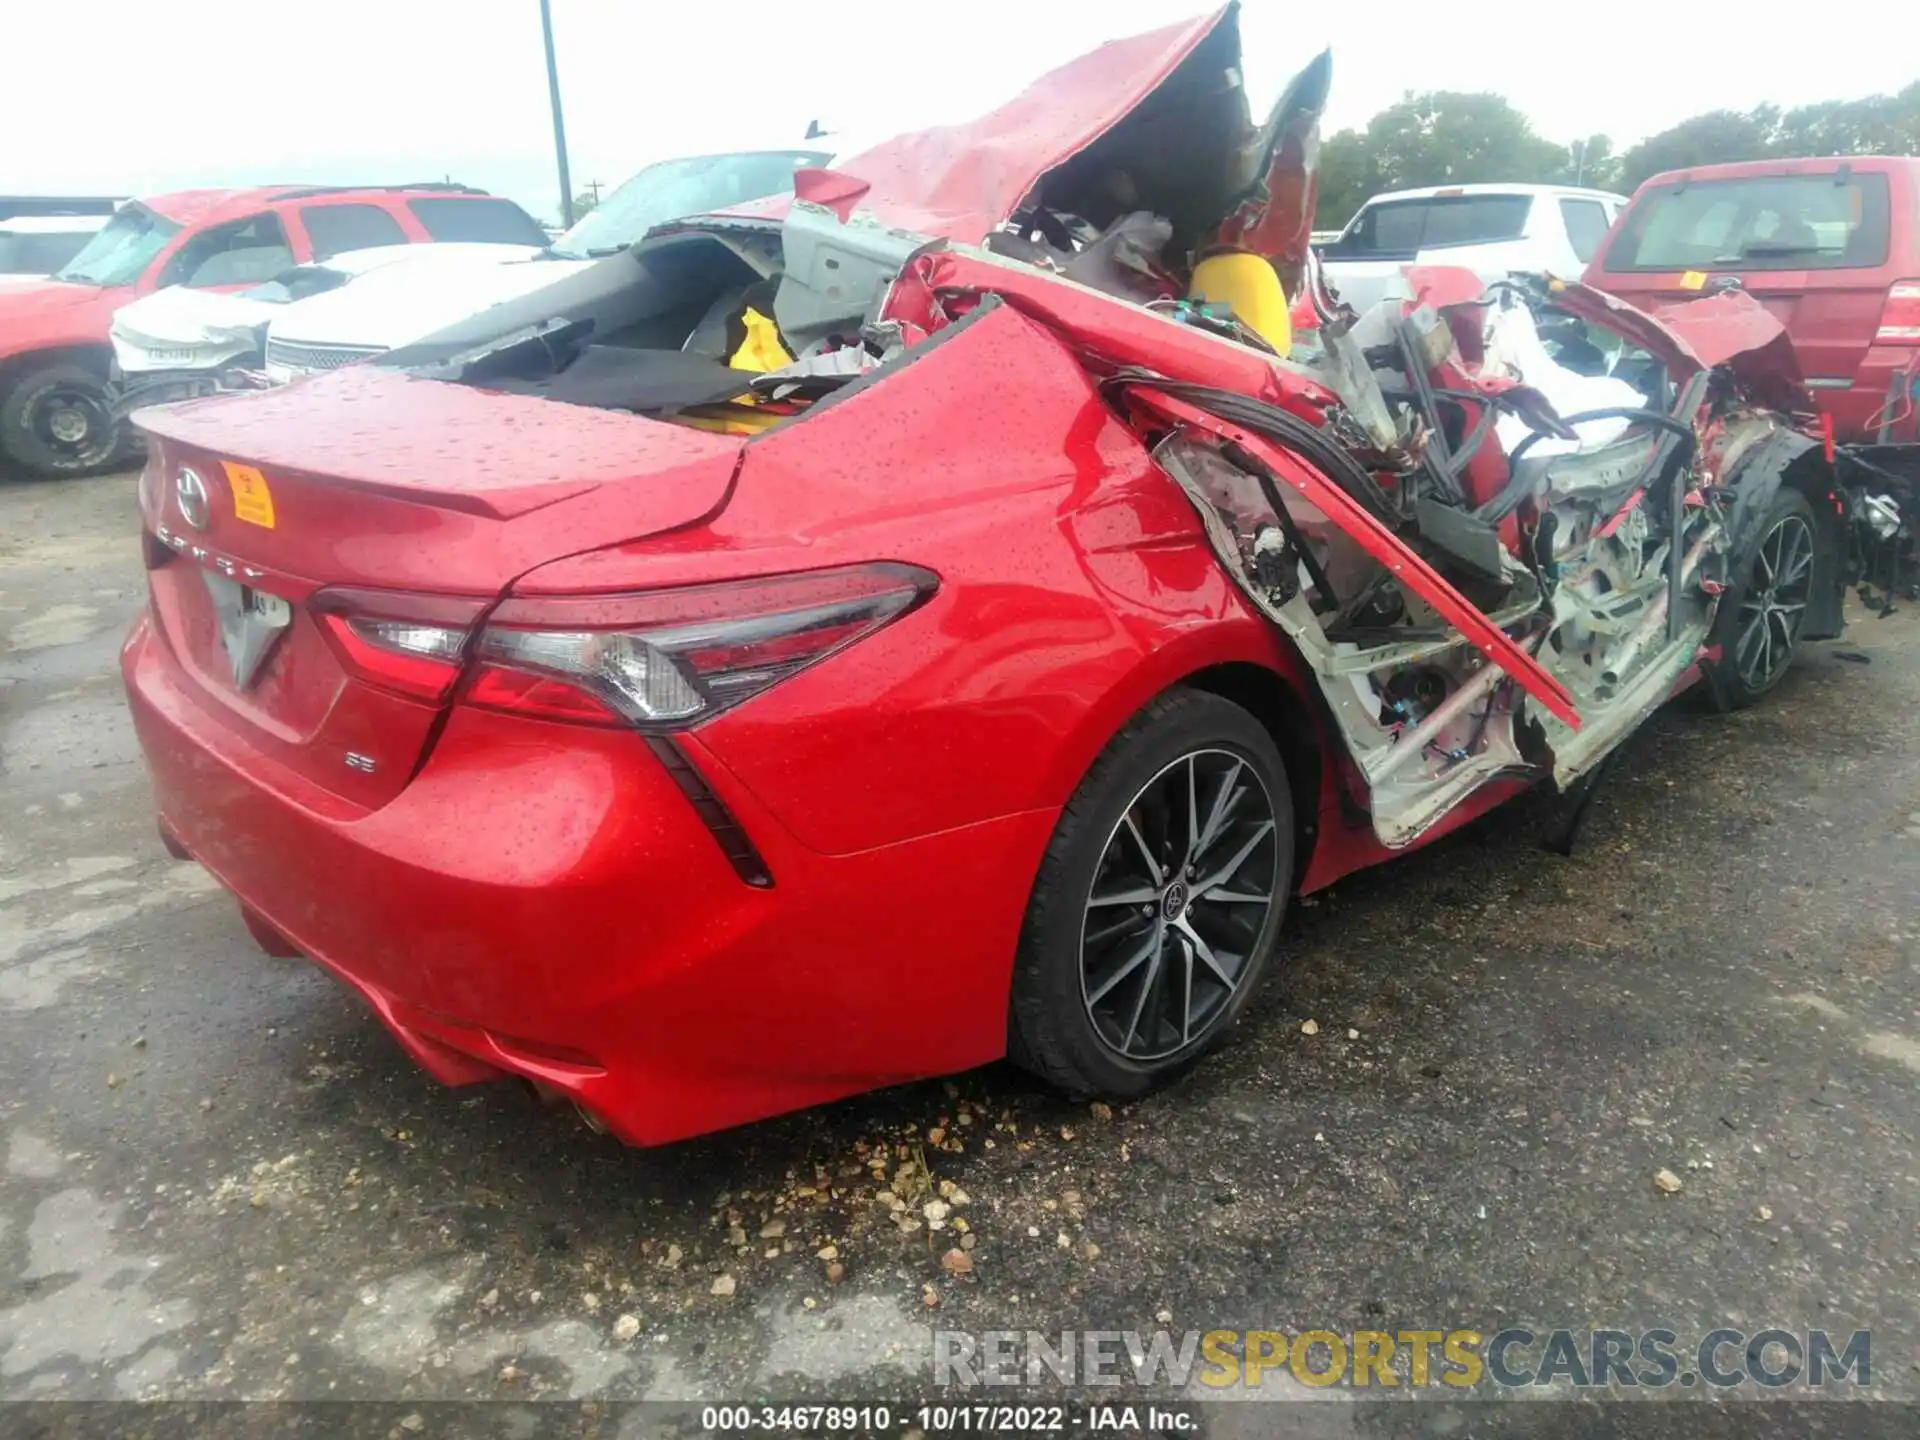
[{"x": 1831, "y": 247}]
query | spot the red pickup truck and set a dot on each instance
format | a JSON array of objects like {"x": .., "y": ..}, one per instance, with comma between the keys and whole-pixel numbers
[{"x": 54, "y": 355}]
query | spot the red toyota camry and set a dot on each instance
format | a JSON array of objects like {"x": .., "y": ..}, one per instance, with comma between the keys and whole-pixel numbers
[{"x": 948, "y": 619}]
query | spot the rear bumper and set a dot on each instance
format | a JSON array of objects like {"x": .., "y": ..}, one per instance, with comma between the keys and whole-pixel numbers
[
  {"x": 1876, "y": 386},
  {"x": 543, "y": 900}
]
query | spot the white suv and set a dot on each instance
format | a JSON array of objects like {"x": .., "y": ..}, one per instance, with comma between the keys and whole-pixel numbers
[{"x": 1493, "y": 230}]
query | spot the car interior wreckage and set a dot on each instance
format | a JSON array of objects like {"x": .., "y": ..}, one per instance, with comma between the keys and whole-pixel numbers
[{"x": 1484, "y": 584}]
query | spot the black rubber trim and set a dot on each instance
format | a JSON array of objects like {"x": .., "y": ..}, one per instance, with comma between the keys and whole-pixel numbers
[{"x": 727, "y": 832}]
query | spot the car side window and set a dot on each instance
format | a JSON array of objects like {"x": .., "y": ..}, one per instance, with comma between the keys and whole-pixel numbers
[
  {"x": 1396, "y": 227},
  {"x": 337, "y": 228},
  {"x": 241, "y": 252},
  {"x": 1586, "y": 226}
]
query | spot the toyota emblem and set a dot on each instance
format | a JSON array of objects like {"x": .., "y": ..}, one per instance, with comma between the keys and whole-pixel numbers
[{"x": 190, "y": 493}]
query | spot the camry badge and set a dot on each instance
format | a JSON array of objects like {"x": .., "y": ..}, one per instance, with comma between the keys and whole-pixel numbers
[{"x": 190, "y": 494}]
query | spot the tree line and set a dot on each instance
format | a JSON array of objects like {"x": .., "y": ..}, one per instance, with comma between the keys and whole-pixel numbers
[{"x": 1451, "y": 137}]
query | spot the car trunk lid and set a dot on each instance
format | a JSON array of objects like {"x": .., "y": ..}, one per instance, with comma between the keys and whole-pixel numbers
[{"x": 272, "y": 517}]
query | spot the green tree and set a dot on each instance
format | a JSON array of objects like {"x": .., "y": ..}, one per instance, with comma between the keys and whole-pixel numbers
[
  {"x": 1347, "y": 177},
  {"x": 1871, "y": 125},
  {"x": 1715, "y": 138},
  {"x": 1441, "y": 137},
  {"x": 1591, "y": 162},
  {"x": 1449, "y": 137}
]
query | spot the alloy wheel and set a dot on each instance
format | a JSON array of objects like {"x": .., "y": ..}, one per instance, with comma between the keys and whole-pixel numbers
[
  {"x": 1179, "y": 900},
  {"x": 74, "y": 422},
  {"x": 1775, "y": 602}
]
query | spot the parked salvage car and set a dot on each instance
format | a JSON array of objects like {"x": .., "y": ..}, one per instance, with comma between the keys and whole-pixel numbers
[
  {"x": 1492, "y": 230},
  {"x": 179, "y": 343},
  {"x": 37, "y": 245},
  {"x": 1831, "y": 247},
  {"x": 975, "y": 657},
  {"x": 55, "y": 416}
]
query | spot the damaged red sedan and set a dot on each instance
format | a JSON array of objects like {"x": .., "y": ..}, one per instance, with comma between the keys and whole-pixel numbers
[{"x": 948, "y": 619}]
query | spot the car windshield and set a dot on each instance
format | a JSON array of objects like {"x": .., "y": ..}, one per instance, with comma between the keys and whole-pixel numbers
[
  {"x": 674, "y": 189},
  {"x": 124, "y": 247},
  {"x": 1830, "y": 220}
]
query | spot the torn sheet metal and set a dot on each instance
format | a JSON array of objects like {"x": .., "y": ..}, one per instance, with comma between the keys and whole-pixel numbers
[
  {"x": 1731, "y": 329},
  {"x": 1272, "y": 214},
  {"x": 1384, "y": 548},
  {"x": 959, "y": 182},
  {"x": 1161, "y": 115},
  {"x": 179, "y": 329}
]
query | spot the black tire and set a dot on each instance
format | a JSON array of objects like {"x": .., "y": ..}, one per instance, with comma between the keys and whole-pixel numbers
[
  {"x": 56, "y": 420},
  {"x": 1764, "y": 608},
  {"x": 1069, "y": 1005}
]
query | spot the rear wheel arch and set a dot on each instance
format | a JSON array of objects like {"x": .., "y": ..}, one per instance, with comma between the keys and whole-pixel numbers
[
  {"x": 1813, "y": 477},
  {"x": 1288, "y": 716},
  {"x": 1797, "y": 462},
  {"x": 1756, "y": 639},
  {"x": 1242, "y": 659}
]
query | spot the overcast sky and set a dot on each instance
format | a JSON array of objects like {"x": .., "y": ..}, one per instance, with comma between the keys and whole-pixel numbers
[{"x": 136, "y": 96}]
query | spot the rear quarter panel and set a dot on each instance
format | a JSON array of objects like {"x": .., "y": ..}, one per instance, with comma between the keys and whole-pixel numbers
[{"x": 1075, "y": 584}]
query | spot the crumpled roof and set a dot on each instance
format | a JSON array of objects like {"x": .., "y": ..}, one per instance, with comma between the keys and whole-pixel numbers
[{"x": 960, "y": 182}]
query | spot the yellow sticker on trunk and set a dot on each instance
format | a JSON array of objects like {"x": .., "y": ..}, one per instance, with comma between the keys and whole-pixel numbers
[
  {"x": 1693, "y": 280},
  {"x": 252, "y": 501}
]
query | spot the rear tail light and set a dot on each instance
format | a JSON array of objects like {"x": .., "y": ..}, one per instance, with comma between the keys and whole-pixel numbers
[
  {"x": 1900, "y": 320},
  {"x": 410, "y": 644},
  {"x": 665, "y": 659}
]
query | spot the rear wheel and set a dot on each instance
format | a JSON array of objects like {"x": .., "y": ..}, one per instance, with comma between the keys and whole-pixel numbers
[
  {"x": 1761, "y": 615},
  {"x": 1158, "y": 901},
  {"x": 56, "y": 420}
]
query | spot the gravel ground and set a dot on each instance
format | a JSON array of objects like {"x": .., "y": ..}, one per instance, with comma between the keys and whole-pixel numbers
[{"x": 220, "y": 1179}]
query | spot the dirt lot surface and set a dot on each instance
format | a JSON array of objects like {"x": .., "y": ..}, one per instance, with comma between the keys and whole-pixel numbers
[{"x": 220, "y": 1178}]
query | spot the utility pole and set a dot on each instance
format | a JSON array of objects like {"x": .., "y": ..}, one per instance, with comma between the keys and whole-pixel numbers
[
  {"x": 1579, "y": 169},
  {"x": 559, "y": 125}
]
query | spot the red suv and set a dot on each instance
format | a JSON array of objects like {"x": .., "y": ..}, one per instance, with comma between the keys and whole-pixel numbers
[
  {"x": 1831, "y": 247},
  {"x": 54, "y": 355}
]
